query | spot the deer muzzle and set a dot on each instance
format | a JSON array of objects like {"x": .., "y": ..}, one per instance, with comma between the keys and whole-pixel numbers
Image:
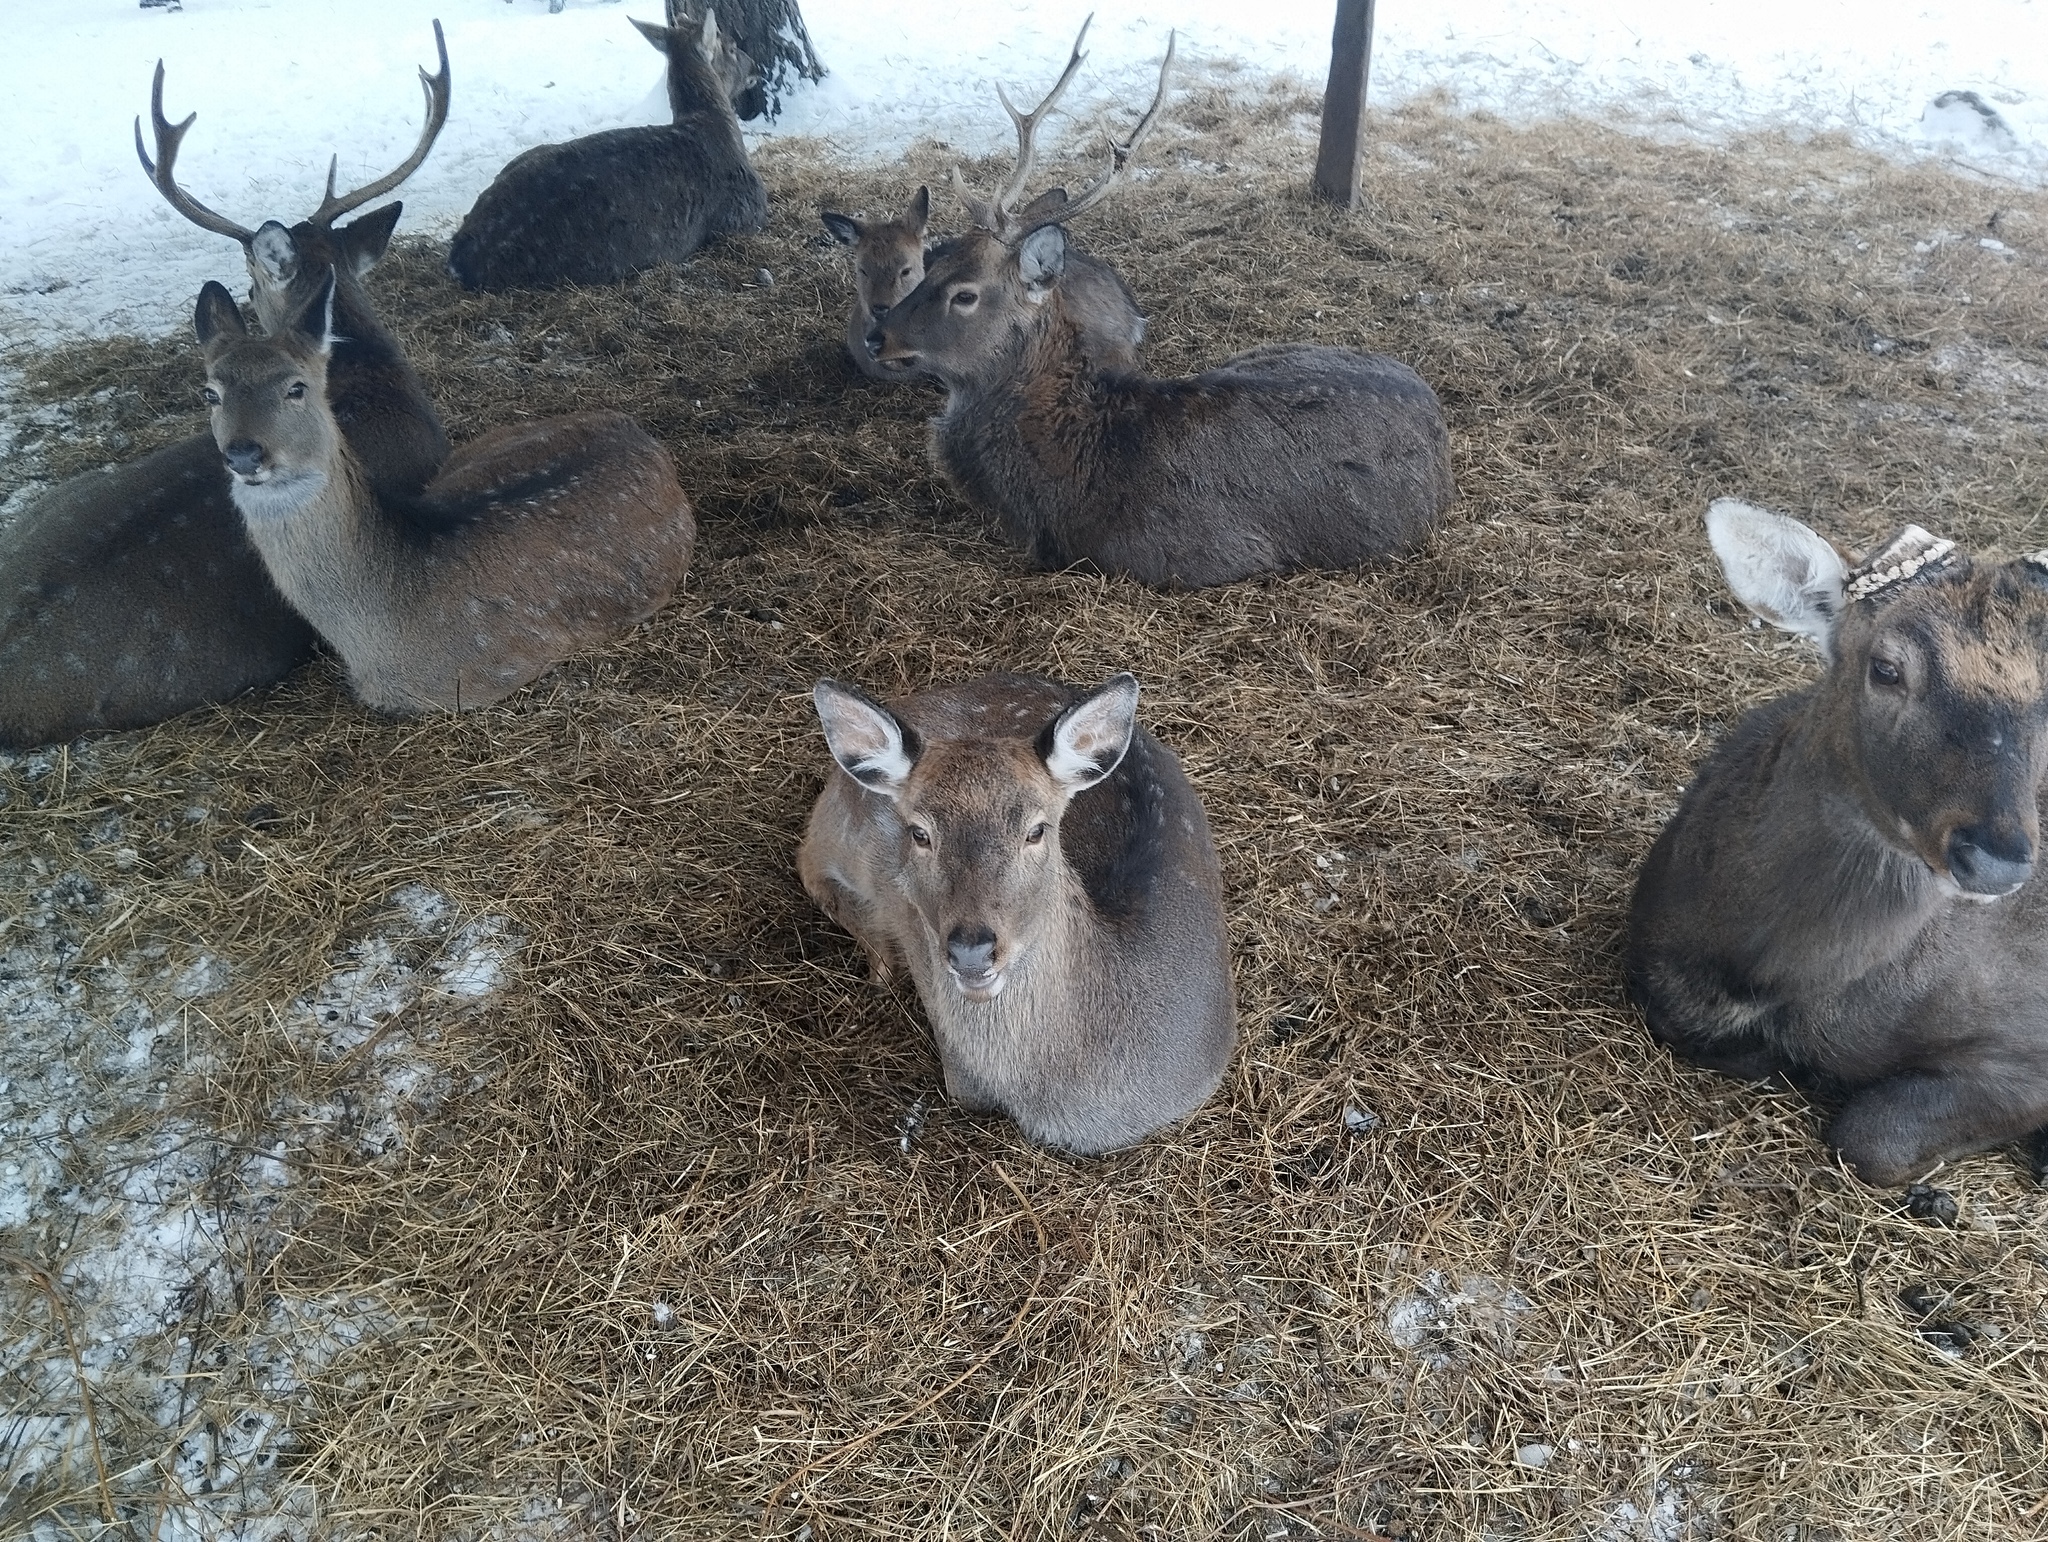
[
  {"x": 971, "y": 961},
  {"x": 245, "y": 458},
  {"x": 1988, "y": 862}
]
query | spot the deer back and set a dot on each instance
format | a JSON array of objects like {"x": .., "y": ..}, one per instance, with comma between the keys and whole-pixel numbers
[
  {"x": 1043, "y": 868},
  {"x": 1285, "y": 457},
  {"x": 1845, "y": 893},
  {"x": 598, "y": 209}
]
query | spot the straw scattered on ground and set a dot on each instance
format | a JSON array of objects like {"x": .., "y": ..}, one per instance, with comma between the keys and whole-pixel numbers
[{"x": 690, "y": 1243}]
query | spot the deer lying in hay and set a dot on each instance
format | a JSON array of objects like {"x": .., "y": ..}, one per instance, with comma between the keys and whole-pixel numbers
[
  {"x": 1289, "y": 456},
  {"x": 1844, "y": 895},
  {"x": 132, "y": 594},
  {"x": 599, "y": 209},
  {"x": 535, "y": 541},
  {"x": 889, "y": 255},
  {"x": 1042, "y": 867}
]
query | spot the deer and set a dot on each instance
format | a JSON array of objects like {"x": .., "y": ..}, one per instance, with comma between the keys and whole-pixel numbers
[
  {"x": 1845, "y": 896},
  {"x": 889, "y": 255},
  {"x": 130, "y": 595},
  {"x": 1285, "y": 457},
  {"x": 599, "y": 209},
  {"x": 1040, "y": 864},
  {"x": 531, "y": 543}
]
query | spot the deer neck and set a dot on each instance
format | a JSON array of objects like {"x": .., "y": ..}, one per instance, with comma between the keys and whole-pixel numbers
[
  {"x": 1828, "y": 897},
  {"x": 1037, "y": 402},
  {"x": 332, "y": 551}
]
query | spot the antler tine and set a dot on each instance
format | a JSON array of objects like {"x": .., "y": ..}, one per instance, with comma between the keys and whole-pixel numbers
[
  {"x": 1027, "y": 127},
  {"x": 169, "y": 136},
  {"x": 437, "y": 89},
  {"x": 979, "y": 210},
  {"x": 1120, "y": 155}
]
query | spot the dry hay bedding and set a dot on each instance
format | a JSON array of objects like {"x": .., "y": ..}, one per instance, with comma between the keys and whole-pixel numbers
[{"x": 1430, "y": 785}]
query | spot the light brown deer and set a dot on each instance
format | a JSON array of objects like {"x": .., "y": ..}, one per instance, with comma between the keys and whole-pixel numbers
[
  {"x": 1845, "y": 895},
  {"x": 1042, "y": 867},
  {"x": 533, "y": 542},
  {"x": 1289, "y": 456},
  {"x": 132, "y": 594}
]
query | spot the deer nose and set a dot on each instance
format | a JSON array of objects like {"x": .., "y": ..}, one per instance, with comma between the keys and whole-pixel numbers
[
  {"x": 873, "y": 340},
  {"x": 879, "y": 309},
  {"x": 971, "y": 951},
  {"x": 244, "y": 457},
  {"x": 1983, "y": 860}
]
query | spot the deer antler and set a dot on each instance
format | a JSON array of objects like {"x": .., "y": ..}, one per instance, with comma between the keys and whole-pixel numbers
[
  {"x": 997, "y": 215},
  {"x": 169, "y": 136},
  {"x": 437, "y": 89},
  {"x": 1120, "y": 154}
]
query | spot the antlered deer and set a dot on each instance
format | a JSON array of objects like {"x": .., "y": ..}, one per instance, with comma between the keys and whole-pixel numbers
[
  {"x": 532, "y": 542},
  {"x": 889, "y": 255},
  {"x": 1289, "y": 456},
  {"x": 1844, "y": 894},
  {"x": 598, "y": 209},
  {"x": 132, "y": 594},
  {"x": 1042, "y": 867}
]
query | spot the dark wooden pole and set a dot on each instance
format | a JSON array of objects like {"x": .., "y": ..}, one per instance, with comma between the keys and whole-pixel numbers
[{"x": 1340, "y": 158}]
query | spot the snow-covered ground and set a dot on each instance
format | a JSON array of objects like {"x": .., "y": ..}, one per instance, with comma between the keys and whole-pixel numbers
[{"x": 86, "y": 247}]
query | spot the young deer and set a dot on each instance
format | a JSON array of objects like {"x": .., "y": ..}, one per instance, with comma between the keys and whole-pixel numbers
[
  {"x": 533, "y": 542},
  {"x": 132, "y": 594},
  {"x": 1289, "y": 456},
  {"x": 598, "y": 209},
  {"x": 1843, "y": 896},
  {"x": 1042, "y": 867},
  {"x": 888, "y": 261}
]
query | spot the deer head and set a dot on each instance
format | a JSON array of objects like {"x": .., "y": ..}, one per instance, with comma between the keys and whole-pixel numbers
[{"x": 287, "y": 264}]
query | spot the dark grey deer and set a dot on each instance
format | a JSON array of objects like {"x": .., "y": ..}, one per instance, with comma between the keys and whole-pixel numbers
[
  {"x": 598, "y": 209},
  {"x": 1042, "y": 867},
  {"x": 1845, "y": 895},
  {"x": 132, "y": 594},
  {"x": 1289, "y": 456},
  {"x": 532, "y": 542}
]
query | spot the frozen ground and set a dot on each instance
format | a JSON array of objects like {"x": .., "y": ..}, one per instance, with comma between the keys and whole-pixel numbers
[
  {"x": 134, "y": 1231},
  {"x": 86, "y": 247}
]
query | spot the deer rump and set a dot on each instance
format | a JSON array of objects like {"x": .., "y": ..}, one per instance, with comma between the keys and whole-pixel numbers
[
  {"x": 152, "y": 558},
  {"x": 599, "y": 209},
  {"x": 1289, "y": 456}
]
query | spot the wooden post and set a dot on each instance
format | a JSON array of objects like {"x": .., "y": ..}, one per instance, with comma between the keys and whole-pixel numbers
[{"x": 1340, "y": 158}]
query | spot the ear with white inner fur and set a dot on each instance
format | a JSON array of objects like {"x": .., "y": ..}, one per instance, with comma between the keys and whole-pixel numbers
[
  {"x": 1088, "y": 740},
  {"x": 1041, "y": 259},
  {"x": 315, "y": 321},
  {"x": 216, "y": 315},
  {"x": 867, "y": 741},
  {"x": 1786, "y": 573},
  {"x": 844, "y": 227},
  {"x": 271, "y": 249}
]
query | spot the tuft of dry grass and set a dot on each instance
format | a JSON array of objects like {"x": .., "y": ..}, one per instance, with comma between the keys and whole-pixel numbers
[{"x": 703, "y": 1251}]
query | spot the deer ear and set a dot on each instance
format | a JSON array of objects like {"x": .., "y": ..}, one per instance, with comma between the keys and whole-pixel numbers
[
  {"x": 867, "y": 740},
  {"x": 314, "y": 323},
  {"x": 844, "y": 227},
  {"x": 217, "y": 316},
  {"x": 707, "y": 40},
  {"x": 657, "y": 35},
  {"x": 273, "y": 251},
  {"x": 367, "y": 239},
  {"x": 918, "y": 212},
  {"x": 1041, "y": 259},
  {"x": 1088, "y": 740},
  {"x": 1786, "y": 573}
]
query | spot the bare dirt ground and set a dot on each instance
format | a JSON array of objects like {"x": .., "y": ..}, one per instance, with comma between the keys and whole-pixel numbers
[{"x": 467, "y": 1127}]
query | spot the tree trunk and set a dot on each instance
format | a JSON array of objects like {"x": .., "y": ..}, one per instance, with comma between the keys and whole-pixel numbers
[{"x": 1340, "y": 158}]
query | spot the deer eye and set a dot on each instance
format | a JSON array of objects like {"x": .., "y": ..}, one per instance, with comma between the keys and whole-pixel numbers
[
  {"x": 966, "y": 299},
  {"x": 1884, "y": 672},
  {"x": 904, "y": 274},
  {"x": 1035, "y": 836},
  {"x": 297, "y": 391},
  {"x": 210, "y": 396},
  {"x": 920, "y": 836}
]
